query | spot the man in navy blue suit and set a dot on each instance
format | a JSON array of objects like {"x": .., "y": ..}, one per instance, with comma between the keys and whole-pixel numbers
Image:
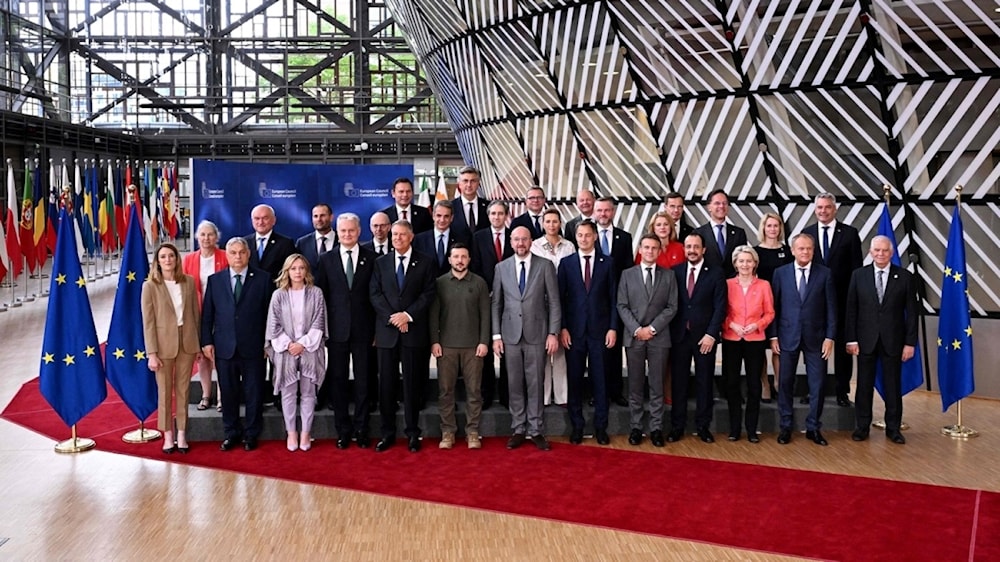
[
  {"x": 615, "y": 243},
  {"x": 233, "y": 322},
  {"x": 404, "y": 209},
  {"x": 402, "y": 290},
  {"x": 720, "y": 236},
  {"x": 694, "y": 334},
  {"x": 469, "y": 208},
  {"x": 588, "y": 291},
  {"x": 320, "y": 240},
  {"x": 805, "y": 312},
  {"x": 268, "y": 248},
  {"x": 436, "y": 241},
  {"x": 531, "y": 218},
  {"x": 490, "y": 246}
]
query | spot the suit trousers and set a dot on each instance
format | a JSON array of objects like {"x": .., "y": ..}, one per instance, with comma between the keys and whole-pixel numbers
[
  {"x": 235, "y": 373},
  {"x": 338, "y": 372},
  {"x": 892, "y": 368},
  {"x": 815, "y": 373},
  {"x": 173, "y": 381},
  {"x": 472, "y": 368},
  {"x": 390, "y": 359},
  {"x": 526, "y": 371},
  {"x": 305, "y": 390},
  {"x": 639, "y": 356},
  {"x": 683, "y": 352},
  {"x": 751, "y": 355},
  {"x": 587, "y": 354},
  {"x": 613, "y": 383}
]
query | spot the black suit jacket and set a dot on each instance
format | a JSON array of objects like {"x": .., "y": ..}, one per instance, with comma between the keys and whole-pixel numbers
[
  {"x": 349, "y": 310},
  {"x": 845, "y": 256},
  {"x": 704, "y": 311},
  {"x": 484, "y": 255},
  {"x": 236, "y": 329},
  {"x": 735, "y": 236},
  {"x": 277, "y": 251},
  {"x": 306, "y": 246},
  {"x": 459, "y": 224},
  {"x": 371, "y": 246},
  {"x": 685, "y": 229},
  {"x": 426, "y": 243},
  {"x": 421, "y": 219},
  {"x": 415, "y": 299},
  {"x": 525, "y": 219},
  {"x": 894, "y": 321},
  {"x": 569, "y": 232},
  {"x": 622, "y": 256}
]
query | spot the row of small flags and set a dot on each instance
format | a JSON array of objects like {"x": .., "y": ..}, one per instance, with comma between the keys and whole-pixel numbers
[
  {"x": 73, "y": 374},
  {"x": 98, "y": 198}
]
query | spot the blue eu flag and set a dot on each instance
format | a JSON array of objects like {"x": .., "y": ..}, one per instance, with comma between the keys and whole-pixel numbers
[
  {"x": 71, "y": 373},
  {"x": 126, "y": 352},
  {"x": 955, "y": 328}
]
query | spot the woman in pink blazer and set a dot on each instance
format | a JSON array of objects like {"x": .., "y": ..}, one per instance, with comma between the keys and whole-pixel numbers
[
  {"x": 749, "y": 310},
  {"x": 199, "y": 265}
]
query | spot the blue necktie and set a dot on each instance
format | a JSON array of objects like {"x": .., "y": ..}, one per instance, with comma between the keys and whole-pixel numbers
[
  {"x": 826, "y": 245},
  {"x": 440, "y": 250},
  {"x": 605, "y": 247},
  {"x": 521, "y": 280},
  {"x": 400, "y": 273},
  {"x": 802, "y": 283},
  {"x": 260, "y": 248},
  {"x": 721, "y": 241}
]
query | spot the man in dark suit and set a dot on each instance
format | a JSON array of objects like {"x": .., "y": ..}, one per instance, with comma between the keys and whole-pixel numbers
[
  {"x": 673, "y": 204},
  {"x": 531, "y": 219},
  {"x": 379, "y": 225},
  {"x": 344, "y": 274},
  {"x": 318, "y": 242},
  {"x": 588, "y": 292},
  {"x": 647, "y": 302},
  {"x": 617, "y": 244},
  {"x": 694, "y": 334},
  {"x": 436, "y": 241},
  {"x": 720, "y": 237},
  {"x": 490, "y": 246},
  {"x": 469, "y": 207},
  {"x": 881, "y": 327},
  {"x": 401, "y": 290},
  {"x": 839, "y": 249},
  {"x": 268, "y": 249},
  {"x": 233, "y": 322},
  {"x": 418, "y": 217},
  {"x": 526, "y": 316},
  {"x": 585, "y": 203},
  {"x": 805, "y": 322}
]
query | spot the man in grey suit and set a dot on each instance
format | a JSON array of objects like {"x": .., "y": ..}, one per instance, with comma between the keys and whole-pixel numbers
[
  {"x": 526, "y": 319},
  {"x": 647, "y": 302}
]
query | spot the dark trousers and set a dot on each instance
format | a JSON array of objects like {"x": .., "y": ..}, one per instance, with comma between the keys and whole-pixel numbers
[
  {"x": 613, "y": 371},
  {"x": 892, "y": 372},
  {"x": 235, "y": 373},
  {"x": 682, "y": 353},
  {"x": 493, "y": 387},
  {"x": 390, "y": 359},
  {"x": 749, "y": 354},
  {"x": 815, "y": 373},
  {"x": 577, "y": 357},
  {"x": 843, "y": 362},
  {"x": 338, "y": 375}
]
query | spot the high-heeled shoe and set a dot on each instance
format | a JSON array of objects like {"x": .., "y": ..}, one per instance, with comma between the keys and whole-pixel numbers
[
  {"x": 182, "y": 444},
  {"x": 293, "y": 441},
  {"x": 305, "y": 442},
  {"x": 168, "y": 442}
]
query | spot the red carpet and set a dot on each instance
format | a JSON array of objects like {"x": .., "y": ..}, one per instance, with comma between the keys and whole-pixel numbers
[{"x": 777, "y": 510}]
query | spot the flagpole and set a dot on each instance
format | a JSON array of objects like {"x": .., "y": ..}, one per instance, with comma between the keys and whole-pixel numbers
[
  {"x": 959, "y": 430},
  {"x": 75, "y": 444},
  {"x": 142, "y": 435}
]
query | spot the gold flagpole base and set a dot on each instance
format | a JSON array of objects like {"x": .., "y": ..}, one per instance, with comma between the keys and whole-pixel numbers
[
  {"x": 141, "y": 435},
  {"x": 880, "y": 424},
  {"x": 959, "y": 432},
  {"x": 75, "y": 445}
]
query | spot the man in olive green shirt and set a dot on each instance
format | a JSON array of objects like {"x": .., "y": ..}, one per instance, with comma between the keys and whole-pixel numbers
[{"x": 460, "y": 332}]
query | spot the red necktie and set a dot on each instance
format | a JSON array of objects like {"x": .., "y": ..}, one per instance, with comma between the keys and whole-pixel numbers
[
  {"x": 586, "y": 273},
  {"x": 690, "y": 282},
  {"x": 498, "y": 248}
]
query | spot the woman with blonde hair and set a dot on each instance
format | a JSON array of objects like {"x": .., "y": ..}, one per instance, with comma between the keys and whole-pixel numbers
[
  {"x": 554, "y": 247},
  {"x": 772, "y": 252},
  {"x": 296, "y": 332},
  {"x": 171, "y": 321},
  {"x": 672, "y": 253},
  {"x": 199, "y": 265}
]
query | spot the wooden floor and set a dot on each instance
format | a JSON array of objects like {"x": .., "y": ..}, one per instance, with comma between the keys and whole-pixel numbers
[{"x": 97, "y": 505}]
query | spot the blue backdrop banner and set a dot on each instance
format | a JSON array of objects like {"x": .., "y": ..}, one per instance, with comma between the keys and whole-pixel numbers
[{"x": 225, "y": 193}]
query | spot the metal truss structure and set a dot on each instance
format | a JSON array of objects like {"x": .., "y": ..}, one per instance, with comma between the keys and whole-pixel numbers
[
  {"x": 774, "y": 101},
  {"x": 280, "y": 79}
]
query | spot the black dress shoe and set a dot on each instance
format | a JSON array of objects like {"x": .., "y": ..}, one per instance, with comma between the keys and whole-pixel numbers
[
  {"x": 343, "y": 442},
  {"x": 705, "y": 435},
  {"x": 414, "y": 444},
  {"x": 635, "y": 437},
  {"x": 785, "y": 436},
  {"x": 675, "y": 435},
  {"x": 576, "y": 436},
  {"x": 384, "y": 444},
  {"x": 896, "y": 437},
  {"x": 516, "y": 441},
  {"x": 602, "y": 437},
  {"x": 620, "y": 400},
  {"x": 734, "y": 436},
  {"x": 656, "y": 438},
  {"x": 753, "y": 437},
  {"x": 843, "y": 402},
  {"x": 249, "y": 444},
  {"x": 766, "y": 400},
  {"x": 859, "y": 435},
  {"x": 363, "y": 440},
  {"x": 804, "y": 399},
  {"x": 228, "y": 445},
  {"x": 540, "y": 442},
  {"x": 590, "y": 402},
  {"x": 816, "y": 437}
]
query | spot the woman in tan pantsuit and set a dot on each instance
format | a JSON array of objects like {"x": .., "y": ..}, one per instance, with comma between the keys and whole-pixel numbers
[{"x": 170, "y": 324}]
